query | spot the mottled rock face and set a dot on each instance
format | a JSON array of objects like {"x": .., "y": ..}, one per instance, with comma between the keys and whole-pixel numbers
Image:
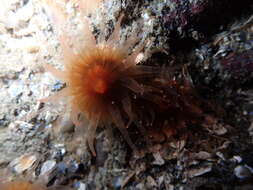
[
  {"x": 212, "y": 37},
  {"x": 239, "y": 65},
  {"x": 180, "y": 13}
]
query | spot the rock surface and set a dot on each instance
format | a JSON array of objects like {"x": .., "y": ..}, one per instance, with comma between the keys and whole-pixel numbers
[{"x": 213, "y": 38}]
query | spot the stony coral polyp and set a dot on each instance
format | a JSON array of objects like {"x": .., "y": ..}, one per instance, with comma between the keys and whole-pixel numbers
[
  {"x": 99, "y": 80},
  {"x": 105, "y": 85},
  {"x": 100, "y": 83}
]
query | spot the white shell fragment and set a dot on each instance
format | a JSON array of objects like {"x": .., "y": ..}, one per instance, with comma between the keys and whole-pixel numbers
[
  {"x": 47, "y": 166},
  {"x": 243, "y": 172},
  {"x": 23, "y": 163},
  {"x": 158, "y": 159},
  {"x": 199, "y": 171}
]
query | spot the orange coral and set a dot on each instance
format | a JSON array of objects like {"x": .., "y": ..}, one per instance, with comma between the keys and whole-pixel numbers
[
  {"x": 99, "y": 78},
  {"x": 105, "y": 85},
  {"x": 20, "y": 185}
]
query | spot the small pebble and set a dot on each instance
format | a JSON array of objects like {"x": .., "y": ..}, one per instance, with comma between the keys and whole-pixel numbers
[
  {"x": 151, "y": 182},
  {"x": 117, "y": 181},
  {"x": 243, "y": 172},
  {"x": 79, "y": 185},
  {"x": 47, "y": 166},
  {"x": 74, "y": 166},
  {"x": 199, "y": 171},
  {"x": 237, "y": 159},
  {"x": 23, "y": 163},
  {"x": 58, "y": 86},
  {"x": 62, "y": 167},
  {"x": 15, "y": 90},
  {"x": 158, "y": 159},
  {"x": 82, "y": 186}
]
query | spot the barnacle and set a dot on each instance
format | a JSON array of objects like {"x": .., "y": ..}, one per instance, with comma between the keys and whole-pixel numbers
[{"x": 105, "y": 85}]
